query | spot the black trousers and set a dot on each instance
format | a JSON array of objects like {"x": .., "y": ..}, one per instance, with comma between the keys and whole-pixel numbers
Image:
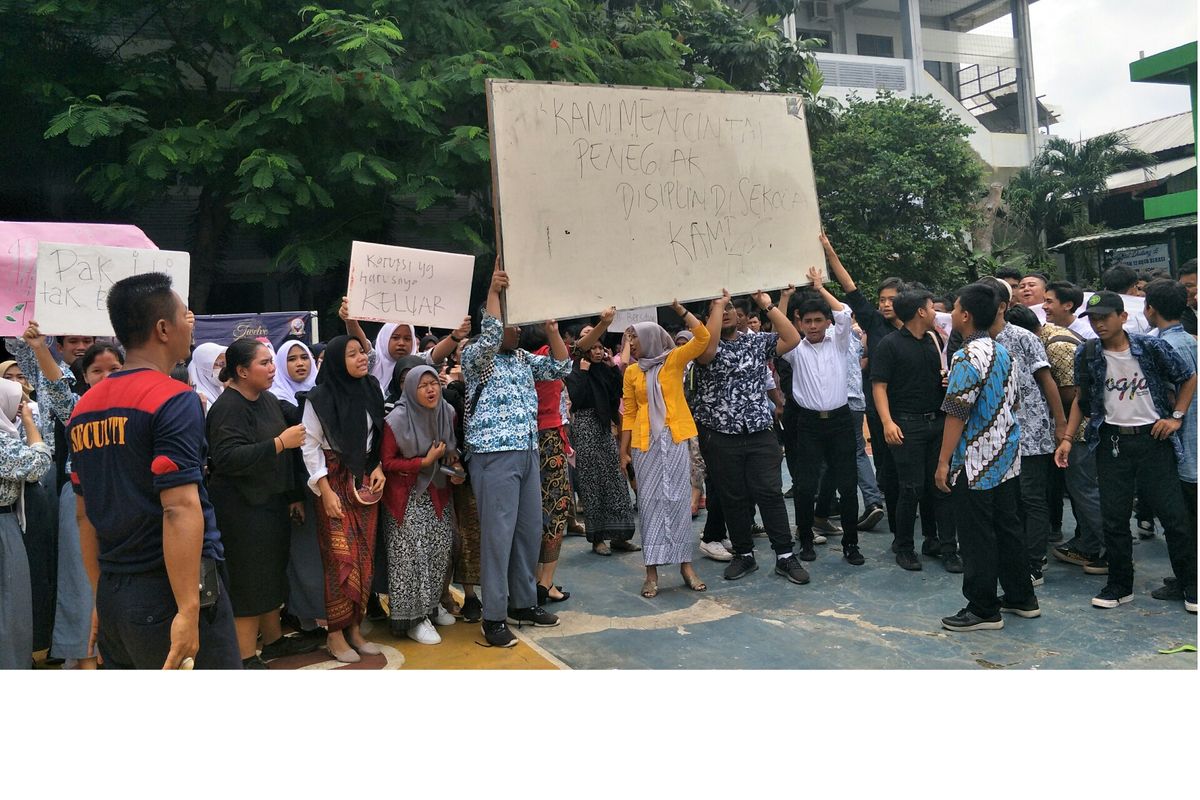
[
  {"x": 829, "y": 441},
  {"x": 885, "y": 466},
  {"x": 1056, "y": 489},
  {"x": 746, "y": 471},
  {"x": 915, "y": 460},
  {"x": 992, "y": 543},
  {"x": 1149, "y": 465}
]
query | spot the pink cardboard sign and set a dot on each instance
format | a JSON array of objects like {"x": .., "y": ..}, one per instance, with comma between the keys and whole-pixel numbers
[{"x": 18, "y": 260}]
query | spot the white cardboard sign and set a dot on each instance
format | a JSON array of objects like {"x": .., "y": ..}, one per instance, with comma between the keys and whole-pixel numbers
[
  {"x": 404, "y": 284},
  {"x": 625, "y": 319},
  {"x": 73, "y": 281}
]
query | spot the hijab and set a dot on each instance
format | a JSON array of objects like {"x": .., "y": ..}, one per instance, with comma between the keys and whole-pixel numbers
[
  {"x": 654, "y": 345},
  {"x": 200, "y": 371},
  {"x": 395, "y": 387},
  {"x": 384, "y": 363},
  {"x": 416, "y": 427},
  {"x": 597, "y": 387},
  {"x": 343, "y": 405},
  {"x": 11, "y": 395},
  {"x": 687, "y": 336},
  {"x": 284, "y": 387},
  {"x": 4, "y": 368}
]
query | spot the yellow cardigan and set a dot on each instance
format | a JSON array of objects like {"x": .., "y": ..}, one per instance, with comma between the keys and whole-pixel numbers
[{"x": 636, "y": 417}]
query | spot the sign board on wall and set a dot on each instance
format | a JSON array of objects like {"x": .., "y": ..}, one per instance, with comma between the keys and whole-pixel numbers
[
  {"x": 631, "y": 197},
  {"x": 18, "y": 261},
  {"x": 73, "y": 281},
  {"x": 404, "y": 284},
  {"x": 1154, "y": 256}
]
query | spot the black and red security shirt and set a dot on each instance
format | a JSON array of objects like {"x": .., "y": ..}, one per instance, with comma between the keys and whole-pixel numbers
[{"x": 133, "y": 435}]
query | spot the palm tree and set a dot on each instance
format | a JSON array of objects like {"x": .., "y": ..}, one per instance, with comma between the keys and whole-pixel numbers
[{"x": 1083, "y": 168}]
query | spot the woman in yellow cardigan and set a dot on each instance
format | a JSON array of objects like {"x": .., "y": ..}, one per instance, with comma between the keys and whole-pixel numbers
[{"x": 656, "y": 425}]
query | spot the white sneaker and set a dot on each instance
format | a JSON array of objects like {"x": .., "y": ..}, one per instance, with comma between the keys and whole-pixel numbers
[
  {"x": 716, "y": 551},
  {"x": 728, "y": 545},
  {"x": 442, "y": 617},
  {"x": 424, "y": 633},
  {"x": 818, "y": 538}
]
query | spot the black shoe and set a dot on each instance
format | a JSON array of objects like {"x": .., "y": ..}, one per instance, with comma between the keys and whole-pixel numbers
[
  {"x": 1056, "y": 535},
  {"x": 807, "y": 553},
  {"x": 1096, "y": 566},
  {"x": 967, "y": 621},
  {"x": 1028, "y": 609},
  {"x": 757, "y": 530},
  {"x": 1036, "y": 576},
  {"x": 791, "y": 569},
  {"x": 740, "y": 567},
  {"x": 543, "y": 595},
  {"x": 932, "y": 548},
  {"x": 537, "y": 616},
  {"x": 895, "y": 546},
  {"x": 952, "y": 563},
  {"x": 1111, "y": 597},
  {"x": 289, "y": 646},
  {"x": 497, "y": 634},
  {"x": 1068, "y": 554},
  {"x": 1171, "y": 592},
  {"x": 472, "y": 609},
  {"x": 254, "y": 662},
  {"x": 870, "y": 518},
  {"x": 1145, "y": 529},
  {"x": 908, "y": 560},
  {"x": 853, "y": 555},
  {"x": 1189, "y": 600},
  {"x": 375, "y": 608}
]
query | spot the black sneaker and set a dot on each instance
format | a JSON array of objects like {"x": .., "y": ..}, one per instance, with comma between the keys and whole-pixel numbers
[
  {"x": 757, "y": 530},
  {"x": 1096, "y": 566},
  {"x": 931, "y": 547},
  {"x": 853, "y": 555},
  {"x": 1171, "y": 591},
  {"x": 870, "y": 517},
  {"x": 497, "y": 634},
  {"x": 472, "y": 609},
  {"x": 740, "y": 567},
  {"x": 289, "y": 646},
  {"x": 254, "y": 662},
  {"x": 790, "y": 568},
  {"x": 908, "y": 560},
  {"x": 1111, "y": 597},
  {"x": 1056, "y": 536},
  {"x": 1069, "y": 555},
  {"x": 537, "y": 616},
  {"x": 1036, "y": 576},
  {"x": 1145, "y": 528},
  {"x": 1028, "y": 609},
  {"x": 1189, "y": 600},
  {"x": 952, "y": 562},
  {"x": 965, "y": 620},
  {"x": 807, "y": 553}
]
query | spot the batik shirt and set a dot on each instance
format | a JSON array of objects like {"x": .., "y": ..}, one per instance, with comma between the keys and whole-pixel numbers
[
  {"x": 505, "y": 415},
  {"x": 1163, "y": 368},
  {"x": 1028, "y": 356},
  {"x": 982, "y": 391},
  {"x": 20, "y": 463},
  {"x": 854, "y": 378},
  {"x": 56, "y": 399},
  {"x": 731, "y": 396},
  {"x": 1185, "y": 347}
]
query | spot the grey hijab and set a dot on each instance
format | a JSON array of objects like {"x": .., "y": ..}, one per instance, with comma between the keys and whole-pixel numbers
[
  {"x": 654, "y": 345},
  {"x": 416, "y": 427}
]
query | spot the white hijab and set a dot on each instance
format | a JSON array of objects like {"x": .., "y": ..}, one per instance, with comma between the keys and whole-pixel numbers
[
  {"x": 284, "y": 387},
  {"x": 11, "y": 395},
  {"x": 200, "y": 371},
  {"x": 384, "y": 363}
]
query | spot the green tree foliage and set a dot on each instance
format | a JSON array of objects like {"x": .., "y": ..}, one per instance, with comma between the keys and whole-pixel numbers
[
  {"x": 312, "y": 126},
  {"x": 898, "y": 185}
]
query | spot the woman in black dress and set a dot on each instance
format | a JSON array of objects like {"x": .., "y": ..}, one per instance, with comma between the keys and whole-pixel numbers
[{"x": 251, "y": 485}]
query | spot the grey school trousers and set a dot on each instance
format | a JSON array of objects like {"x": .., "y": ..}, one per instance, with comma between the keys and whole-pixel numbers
[{"x": 508, "y": 491}]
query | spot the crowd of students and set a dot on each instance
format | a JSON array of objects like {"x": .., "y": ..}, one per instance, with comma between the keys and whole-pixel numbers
[{"x": 296, "y": 486}]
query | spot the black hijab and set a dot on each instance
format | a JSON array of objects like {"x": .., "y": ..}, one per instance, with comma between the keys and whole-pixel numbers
[
  {"x": 343, "y": 404},
  {"x": 598, "y": 387},
  {"x": 396, "y": 384}
]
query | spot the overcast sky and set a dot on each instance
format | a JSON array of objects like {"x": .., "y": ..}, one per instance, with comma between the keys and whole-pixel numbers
[{"x": 1081, "y": 55}]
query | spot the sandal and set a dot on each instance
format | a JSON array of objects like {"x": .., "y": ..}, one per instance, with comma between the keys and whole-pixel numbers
[
  {"x": 698, "y": 586},
  {"x": 543, "y": 594},
  {"x": 649, "y": 588}
]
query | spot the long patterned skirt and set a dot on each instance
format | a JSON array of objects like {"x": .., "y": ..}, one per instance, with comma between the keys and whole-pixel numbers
[
  {"x": 418, "y": 557},
  {"x": 665, "y": 500},
  {"x": 607, "y": 509},
  {"x": 347, "y": 547},
  {"x": 466, "y": 551},
  {"x": 556, "y": 493}
]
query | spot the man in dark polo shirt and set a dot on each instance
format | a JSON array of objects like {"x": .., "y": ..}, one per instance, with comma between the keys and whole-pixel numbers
[
  {"x": 878, "y": 323},
  {"x": 148, "y": 534},
  {"x": 907, "y": 374}
]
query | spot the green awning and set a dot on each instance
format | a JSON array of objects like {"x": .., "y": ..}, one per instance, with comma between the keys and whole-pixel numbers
[{"x": 1156, "y": 228}]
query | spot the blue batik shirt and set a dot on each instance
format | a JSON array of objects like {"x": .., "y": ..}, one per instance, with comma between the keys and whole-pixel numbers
[
  {"x": 1163, "y": 369},
  {"x": 982, "y": 391},
  {"x": 505, "y": 415},
  {"x": 1185, "y": 347}
]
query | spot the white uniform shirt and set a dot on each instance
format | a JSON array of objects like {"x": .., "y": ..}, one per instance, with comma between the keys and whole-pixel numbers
[{"x": 819, "y": 370}]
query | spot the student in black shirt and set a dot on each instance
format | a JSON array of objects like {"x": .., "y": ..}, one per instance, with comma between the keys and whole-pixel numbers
[
  {"x": 877, "y": 323},
  {"x": 907, "y": 373}
]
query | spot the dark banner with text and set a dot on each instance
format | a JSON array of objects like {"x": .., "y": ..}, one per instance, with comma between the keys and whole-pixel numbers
[{"x": 272, "y": 327}]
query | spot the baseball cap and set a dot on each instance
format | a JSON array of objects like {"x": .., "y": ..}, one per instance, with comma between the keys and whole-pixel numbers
[{"x": 1102, "y": 304}]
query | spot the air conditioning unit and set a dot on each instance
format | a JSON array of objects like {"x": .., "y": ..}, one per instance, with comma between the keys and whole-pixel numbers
[{"x": 822, "y": 10}]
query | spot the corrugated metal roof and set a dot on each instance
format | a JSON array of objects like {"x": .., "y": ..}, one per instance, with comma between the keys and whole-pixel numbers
[
  {"x": 1159, "y": 172},
  {"x": 1162, "y": 134},
  {"x": 1148, "y": 229}
]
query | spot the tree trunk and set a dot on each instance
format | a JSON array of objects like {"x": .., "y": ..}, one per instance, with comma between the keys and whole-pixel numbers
[
  {"x": 212, "y": 221},
  {"x": 984, "y": 233}
]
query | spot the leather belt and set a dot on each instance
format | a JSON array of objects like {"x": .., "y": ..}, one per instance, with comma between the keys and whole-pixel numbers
[
  {"x": 930, "y": 416},
  {"x": 837, "y": 412},
  {"x": 1129, "y": 430}
]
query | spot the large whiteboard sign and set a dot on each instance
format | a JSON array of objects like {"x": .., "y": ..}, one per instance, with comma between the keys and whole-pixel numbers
[
  {"x": 634, "y": 197},
  {"x": 404, "y": 284},
  {"x": 73, "y": 281}
]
